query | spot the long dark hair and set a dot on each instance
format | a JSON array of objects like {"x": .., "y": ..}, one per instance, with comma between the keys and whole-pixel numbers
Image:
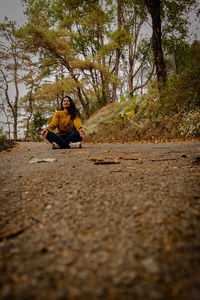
[{"x": 73, "y": 111}]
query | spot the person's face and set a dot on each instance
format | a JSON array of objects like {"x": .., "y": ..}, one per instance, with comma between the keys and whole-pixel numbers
[{"x": 66, "y": 103}]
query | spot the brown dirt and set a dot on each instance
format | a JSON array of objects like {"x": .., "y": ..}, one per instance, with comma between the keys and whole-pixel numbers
[
  {"x": 71, "y": 229},
  {"x": 123, "y": 131}
]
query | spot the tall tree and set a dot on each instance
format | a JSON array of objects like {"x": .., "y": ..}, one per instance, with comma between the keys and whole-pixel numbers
[
  {"x": 118, "y": 49},
  {"x": 62, "y": 43},
  {"x": 83, "y": 27},
  {"x": 169, "y": 19},
  {"x": 11, "y": 63},
  {"x": 136, "y": 55},
  {"x": 32, "y": 80},
  {"x": 5, "y": 111},
  {"x": 155, "y": 12}
]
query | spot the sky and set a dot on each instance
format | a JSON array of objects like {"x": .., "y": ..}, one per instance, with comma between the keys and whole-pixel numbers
[{"x": 13, "y": 10}]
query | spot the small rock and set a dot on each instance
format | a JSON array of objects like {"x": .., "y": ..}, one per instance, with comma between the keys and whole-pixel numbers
[
  {"x": 83, "y": 276},
  {"x": 61, "y": 295},
  {"x": 100, "y": 292},
  {"x": 7, "y": 293},
  {"x": 150, "y": 265},
  {"x": 44, "y": 250}
]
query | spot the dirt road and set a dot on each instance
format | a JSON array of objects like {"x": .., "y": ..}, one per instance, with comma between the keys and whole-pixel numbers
[{"x": 74, "y": 229}]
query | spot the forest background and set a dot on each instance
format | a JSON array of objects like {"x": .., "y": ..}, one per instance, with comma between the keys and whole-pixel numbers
[{"x": 132, "y": 68}]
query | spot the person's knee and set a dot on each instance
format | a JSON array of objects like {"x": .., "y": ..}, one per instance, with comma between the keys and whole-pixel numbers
[
  {"x": 78, "y": 136},
  {"x": 50, "y": 136}
]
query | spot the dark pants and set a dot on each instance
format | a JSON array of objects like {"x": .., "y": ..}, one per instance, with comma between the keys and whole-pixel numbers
[{"x": 63, "y": 141}]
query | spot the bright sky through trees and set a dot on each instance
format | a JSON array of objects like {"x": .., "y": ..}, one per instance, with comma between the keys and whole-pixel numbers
[{"x": 12, "y": 9}]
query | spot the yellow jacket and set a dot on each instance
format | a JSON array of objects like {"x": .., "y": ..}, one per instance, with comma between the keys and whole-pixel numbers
[{"x": 63, "y": 124}]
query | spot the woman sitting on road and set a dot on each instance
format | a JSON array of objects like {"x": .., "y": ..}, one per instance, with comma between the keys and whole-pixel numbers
[{"x": 69, "y": 131}]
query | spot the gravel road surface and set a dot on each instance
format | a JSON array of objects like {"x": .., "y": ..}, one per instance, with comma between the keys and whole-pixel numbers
[{"x": 107, "y": 221}]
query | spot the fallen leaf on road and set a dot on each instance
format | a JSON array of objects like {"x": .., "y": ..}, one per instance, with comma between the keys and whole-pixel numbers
[
  {"x": 103, "y": 161},
  {"x": 196, "y": 160},
  {"x": 96, "y": 159},
  {"x": 106, "y": 162},
  {"x": 163, "y": 159},
  {"x": 127, "y": 157},
  {"x": 11, "y": 234},
  {"x": 39, "y": 160}
]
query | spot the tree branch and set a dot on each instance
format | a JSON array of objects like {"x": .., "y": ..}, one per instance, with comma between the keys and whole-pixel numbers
[{"x": 145, "y": 83}]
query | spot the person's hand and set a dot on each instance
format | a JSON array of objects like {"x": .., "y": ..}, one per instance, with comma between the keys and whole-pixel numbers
[
  {"x": 44, "y": 133},
  {"x": 82, "y": 133}
]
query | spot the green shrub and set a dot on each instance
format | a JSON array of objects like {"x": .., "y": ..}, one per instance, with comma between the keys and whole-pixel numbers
[
  {"x": 190, "y": 126},
  {"x": 4, "y": 142}
]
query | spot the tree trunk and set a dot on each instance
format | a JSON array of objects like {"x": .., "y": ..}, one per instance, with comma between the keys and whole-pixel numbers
[
  {"x": 154, "y": 10},
  {"x": 15, "y": 127},
  {"x": 30, "y": 115},
  {"x": 15, "y": 114},
  {"x": 84, "y": 103},
  {"x": 118, "y": 53},
  {"x": 176, "y": 63},
  {"x": 64, "y": 62},
  {"x": 131, "y": 60},
  {"x": 7, "y": 120},
  {"x": 142, "y": 84},
  {"x": 133, "y": 49},
  {"x": 104, "y": 81},
  {"x": 13, "y": 107}
]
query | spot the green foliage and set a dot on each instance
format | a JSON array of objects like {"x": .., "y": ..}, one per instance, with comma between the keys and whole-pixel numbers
[
  {"x": 36, "y": 126},
  {"x": 124, "y": 98},
  {"x": 3, "y": 136},
  {"x": 97, "y": 104},
  {"x": 183, "y": 91},
  {"x": 177, "y": 54},
  {"x": 120, "y": 37},
  {"x": 130, "y": 109},
  {"x": 190, "y": 125},
  {"x": 4, "y": 142},
  {"x": 174, "y": 12}
]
